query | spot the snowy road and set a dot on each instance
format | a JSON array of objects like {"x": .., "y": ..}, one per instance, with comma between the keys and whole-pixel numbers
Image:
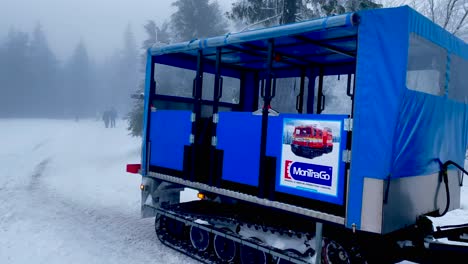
[{"x": 65, "y": 196}]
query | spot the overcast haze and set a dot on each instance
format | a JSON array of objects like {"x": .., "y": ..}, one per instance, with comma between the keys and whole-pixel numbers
[{"x": 99, "y": 23}]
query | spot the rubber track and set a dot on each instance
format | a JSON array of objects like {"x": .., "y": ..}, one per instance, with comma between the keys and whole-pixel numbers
[{"x": 188, "y": 216}]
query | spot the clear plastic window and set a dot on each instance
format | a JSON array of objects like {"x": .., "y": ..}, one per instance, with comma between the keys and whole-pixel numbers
[
  {"x": 458, "y": 88},
  {"x": 336, "y": 99},
  {"x": 287, "y": 90},
  {"x": 230, "y": 92},
  {"x": 426, "y": 66},
  {"x": 171, "y": 105},
  {"x": 173, "y": 81}
]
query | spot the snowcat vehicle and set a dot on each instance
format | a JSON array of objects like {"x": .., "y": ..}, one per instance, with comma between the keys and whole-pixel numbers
[
  {"x": 398, "y": 145},
  {"x": 311, "y": 142}
]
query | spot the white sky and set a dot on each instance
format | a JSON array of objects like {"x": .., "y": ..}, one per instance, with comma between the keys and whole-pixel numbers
[{"x": 99, "y": 23}]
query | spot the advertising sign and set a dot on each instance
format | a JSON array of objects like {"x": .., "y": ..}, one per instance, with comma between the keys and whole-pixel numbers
[{"x": 310, "y": 155}]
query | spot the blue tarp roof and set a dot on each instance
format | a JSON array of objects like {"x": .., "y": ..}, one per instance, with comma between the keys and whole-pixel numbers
[{"x": 333, "y": 39}]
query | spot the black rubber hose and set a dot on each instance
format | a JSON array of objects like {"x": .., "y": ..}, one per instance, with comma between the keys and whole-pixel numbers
[
  {"x": 444, "y": 174},
  {"x": 449, "y": 162},
  {"x": 447, "y": 190}
]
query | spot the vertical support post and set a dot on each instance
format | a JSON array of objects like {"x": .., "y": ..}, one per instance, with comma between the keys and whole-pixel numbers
[
  {"x": 300, "y": 97},
  {"x": 311, "y": 93},
  {"x": 150, "y": 89},
  {"x": 197, "y": 95},
  {"x": 318, "y": 242},
  {"x": 266, "y": 104},
  {"x": 354, "y": 92},
  {"x": 217, "y": 82},
  {"x": 320, "y": 93},
  {"x": 217, "y": 93}
]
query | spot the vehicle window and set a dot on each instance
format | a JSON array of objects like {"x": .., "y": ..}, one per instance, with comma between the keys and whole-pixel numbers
[
  {"x": 170, "y": 105},
  {"x": 231, "y": 88},
  {"x": 334, "y": 90},
  {"x": 166, "y": 84},
  {"x": 458, "y": 79},
  {"x": 287, "y": 90},
  {"x": 426, "y": 66}
]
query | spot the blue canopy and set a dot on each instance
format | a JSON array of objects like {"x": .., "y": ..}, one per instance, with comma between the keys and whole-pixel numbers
[{"x": 333, "y": 40}]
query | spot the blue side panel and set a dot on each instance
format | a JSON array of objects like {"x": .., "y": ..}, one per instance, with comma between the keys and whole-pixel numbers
[
  {"x": 380, "y": 83},
  {"x": 148, "y": 79},
  {"x": 239, "y": 136},
  {"x": 169, "y": 132},
  {"x": 279, "y": 136},
  {"x": 431, "y": 129}
]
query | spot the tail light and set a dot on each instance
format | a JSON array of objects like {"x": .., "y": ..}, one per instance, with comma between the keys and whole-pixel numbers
[{"x": 133, "y": 168}]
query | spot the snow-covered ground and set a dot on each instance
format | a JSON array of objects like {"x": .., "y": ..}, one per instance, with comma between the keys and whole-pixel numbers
[{"x": 65, "y": 196}]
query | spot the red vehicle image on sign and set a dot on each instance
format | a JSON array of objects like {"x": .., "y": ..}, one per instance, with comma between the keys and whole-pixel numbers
[{"x": 310, "y": 141}]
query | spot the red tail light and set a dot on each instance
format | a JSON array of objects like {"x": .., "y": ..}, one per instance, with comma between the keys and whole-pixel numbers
[{"x": 133, "y": 168}]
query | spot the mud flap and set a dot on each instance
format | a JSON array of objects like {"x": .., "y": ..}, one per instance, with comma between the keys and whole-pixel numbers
[{"x": 156, "y": 193}]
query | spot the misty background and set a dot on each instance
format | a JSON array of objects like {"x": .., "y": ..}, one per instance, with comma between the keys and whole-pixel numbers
[
  {"x": 74, "y": 58},
  {"x": 78, "y": 58}
]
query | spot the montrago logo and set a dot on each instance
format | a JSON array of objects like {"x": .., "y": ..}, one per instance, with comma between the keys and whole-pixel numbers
[{"x": 310, "y": 173}]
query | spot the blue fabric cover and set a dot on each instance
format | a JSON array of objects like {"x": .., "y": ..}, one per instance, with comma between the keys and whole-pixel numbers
[
  {"x": 431, "y": 129},
  {"x": 399, "y": 132},
  {"x": 380, "y": 79}
]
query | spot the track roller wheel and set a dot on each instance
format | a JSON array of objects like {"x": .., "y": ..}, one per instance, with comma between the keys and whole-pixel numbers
[
  {"x": 333, "y": 252},
  {"x": 225, "y": 249},
  {"x": 172, "y": 226},
  {"x": 249, "y": 255},
  {"x": 200, "y": 238}
]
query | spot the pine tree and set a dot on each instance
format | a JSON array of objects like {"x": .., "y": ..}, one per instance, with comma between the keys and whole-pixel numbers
[
  {"x": 155, "y": 36},
  {"x": 15, "y": 72},
  {"x": 272, "y": 12},
  {"x": 79, "y": 87},
  {"x": 3, "y": 77},
  {"x": 263, "y": 12},
  {"x": 126, "y": 80},
  {"x": 356, "y": 5},
  {"x": 197, "y": 19},
  {"x": 43, "y": 78}
]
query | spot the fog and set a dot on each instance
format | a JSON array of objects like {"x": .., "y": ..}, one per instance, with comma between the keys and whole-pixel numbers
[
  {"x": 79, "y": 58},
  {"x": 98, "y": 23}
]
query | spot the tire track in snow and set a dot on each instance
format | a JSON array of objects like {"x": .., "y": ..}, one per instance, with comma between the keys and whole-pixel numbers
[
  {"x": 97, "y": 231},
  {"x": 37, "y": 173},
  {"x": 39, "y": 145}
]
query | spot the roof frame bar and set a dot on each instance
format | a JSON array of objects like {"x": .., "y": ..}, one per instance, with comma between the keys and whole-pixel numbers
[
  {"x": 280, "y": 53},
  {"x": 262, "y": 54},
  {"x": 326, "y": 46}
]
